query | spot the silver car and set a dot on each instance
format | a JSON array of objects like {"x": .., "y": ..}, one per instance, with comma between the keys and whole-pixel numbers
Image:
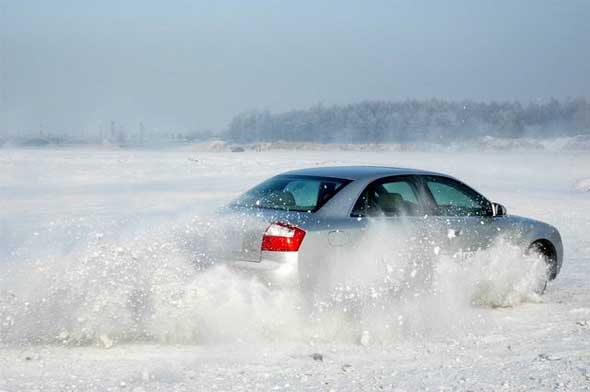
[{"x": 293, "y": 222}]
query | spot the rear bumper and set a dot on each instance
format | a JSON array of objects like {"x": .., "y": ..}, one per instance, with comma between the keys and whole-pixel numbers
[{"x": 275, "y": 268}]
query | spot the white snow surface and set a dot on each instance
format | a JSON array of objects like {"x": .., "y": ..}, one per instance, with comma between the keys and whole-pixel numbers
[
  {"x": 583, "y": 185},
  {"x": 99, "y": 291}
]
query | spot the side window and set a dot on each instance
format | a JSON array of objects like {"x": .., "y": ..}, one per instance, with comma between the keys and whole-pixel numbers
[
  {"x": 389, "y": 197},
  {"x": 403, "y": 188},
  {"x": 452, "y": 198}
]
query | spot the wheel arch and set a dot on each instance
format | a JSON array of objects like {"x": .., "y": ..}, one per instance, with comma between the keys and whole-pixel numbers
[{"x": 546, "y": 247}]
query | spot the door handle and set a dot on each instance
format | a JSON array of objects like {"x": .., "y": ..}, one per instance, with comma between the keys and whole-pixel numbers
[{"x": 452, "y": 233}]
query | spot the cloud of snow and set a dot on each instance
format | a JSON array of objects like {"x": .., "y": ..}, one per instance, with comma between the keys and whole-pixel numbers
[
  {"x": 400, "y": 283},
  {"x": 165, "y": 286}
]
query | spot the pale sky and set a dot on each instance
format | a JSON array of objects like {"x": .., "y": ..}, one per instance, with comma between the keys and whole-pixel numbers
[{"x": 190, "y": 65}]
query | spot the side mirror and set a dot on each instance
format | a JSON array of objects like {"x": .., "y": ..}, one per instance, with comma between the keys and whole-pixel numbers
[{"x": 498, "y": 210}]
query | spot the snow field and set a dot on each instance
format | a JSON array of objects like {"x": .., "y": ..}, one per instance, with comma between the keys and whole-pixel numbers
[{"x": 98, "y": 290}]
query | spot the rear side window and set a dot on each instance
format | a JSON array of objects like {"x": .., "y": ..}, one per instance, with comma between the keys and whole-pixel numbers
[
  {"x": 292, "y": 193},
  {"x": 388, "y": 197},
  {"x": 403, "y": 188}
]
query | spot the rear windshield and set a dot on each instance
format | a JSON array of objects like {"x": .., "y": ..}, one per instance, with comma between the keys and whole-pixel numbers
[{"x": 292, "y": 193}]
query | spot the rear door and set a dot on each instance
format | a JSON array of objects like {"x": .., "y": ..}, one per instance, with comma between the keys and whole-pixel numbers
[
  {"x": 391, "y": 207},
  {"x": 386, "y": 239}
]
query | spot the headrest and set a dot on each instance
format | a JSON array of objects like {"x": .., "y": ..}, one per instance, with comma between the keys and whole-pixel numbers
[
  {"x": 283, "y": 199},
  {"x": 391, "y": 203}
]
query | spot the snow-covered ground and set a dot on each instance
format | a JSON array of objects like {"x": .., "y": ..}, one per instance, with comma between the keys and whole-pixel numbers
[{"x": 97, "y": 289}]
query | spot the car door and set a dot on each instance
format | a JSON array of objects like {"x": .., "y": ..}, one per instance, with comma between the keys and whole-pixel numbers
[
  {"x": 394, "y": 212},
  {"x": 396, "y": 231},
  {"x": 459, "y": 216},
  {"x": 392, "y": 202}
]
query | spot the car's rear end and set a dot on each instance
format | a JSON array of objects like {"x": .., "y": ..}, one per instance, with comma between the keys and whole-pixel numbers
[{"x": 272, "y": 224}]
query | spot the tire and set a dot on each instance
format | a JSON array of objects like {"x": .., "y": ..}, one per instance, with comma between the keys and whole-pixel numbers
[{"x": 545, "y": 253}]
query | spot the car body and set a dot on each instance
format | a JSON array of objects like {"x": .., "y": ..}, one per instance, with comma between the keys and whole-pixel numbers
[{"x": 293, "y": 222}]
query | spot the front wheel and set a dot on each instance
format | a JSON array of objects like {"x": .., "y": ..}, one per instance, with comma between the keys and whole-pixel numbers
[{"x": 547, "y": 256}]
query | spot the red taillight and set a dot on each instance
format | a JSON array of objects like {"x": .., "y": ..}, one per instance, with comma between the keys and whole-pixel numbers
[{"x": 281, "y": 237}]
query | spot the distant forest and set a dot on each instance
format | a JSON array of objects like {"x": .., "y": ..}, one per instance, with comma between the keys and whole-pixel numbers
[
  {"x": 414, "y": 120},
  {"x": 431, "y": 121}
]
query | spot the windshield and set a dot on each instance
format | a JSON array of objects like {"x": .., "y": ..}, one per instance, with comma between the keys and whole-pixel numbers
[{"x": 292, "y": 193}]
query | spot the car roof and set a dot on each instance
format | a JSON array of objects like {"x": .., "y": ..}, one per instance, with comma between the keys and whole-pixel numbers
[{"x": 358, "y": 172}]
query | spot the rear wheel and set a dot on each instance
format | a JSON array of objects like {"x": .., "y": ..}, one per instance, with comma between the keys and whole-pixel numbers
[{"x": 545, "y": 252}]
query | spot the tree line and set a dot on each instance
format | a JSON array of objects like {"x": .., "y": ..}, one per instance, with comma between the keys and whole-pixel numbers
[{"x": 431, "y": 120}]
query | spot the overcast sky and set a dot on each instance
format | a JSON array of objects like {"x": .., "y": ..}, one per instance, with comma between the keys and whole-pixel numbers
[{"x": 190, "y": 65}]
